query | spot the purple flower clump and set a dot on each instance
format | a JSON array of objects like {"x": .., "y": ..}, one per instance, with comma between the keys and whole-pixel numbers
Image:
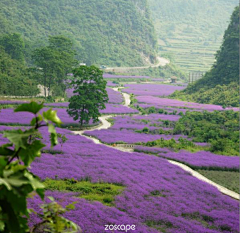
[
  {"x": 115, "y": 97},
  {"x": 111, "y": 84},
  {"x": 5, "y": 102}
]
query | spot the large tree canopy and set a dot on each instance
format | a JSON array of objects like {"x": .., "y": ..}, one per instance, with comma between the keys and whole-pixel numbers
[
  {"x": 90, "y": 94},
  {"x": 54, "y": 62}
]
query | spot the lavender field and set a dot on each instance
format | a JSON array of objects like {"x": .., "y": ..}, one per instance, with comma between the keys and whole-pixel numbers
[
  {"x": 151, "y": 89},
  {"x": 164, "y": 102},
  {"x": 157, "y": 196}
]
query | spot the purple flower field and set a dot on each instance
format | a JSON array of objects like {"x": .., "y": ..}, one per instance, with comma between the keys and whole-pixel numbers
[
  {"x": 111, "y": 84},
  {"x": 117, "y": 109},
  {"x": 200, "y": 159},
  {"x": 178, "y": 195},
  {"x": 162, "y": 102},
  {"x": 169, "y": 109},
  {"x": 157, "y": 117},
  {"x": 204, "y": 159},
  {"x": 127, "y": 122},
  {"x": 158, "y": 197},
  {"x": 127, "y": 136},
  {"x": 151, "y": 89},
  {"x": 7, "y": 116},
  {"x": 114, "y": 96},
  {"x": 156, "y": 192},
  {"x": 6, "y": 102},
  {"x": 139, "y": 122}
]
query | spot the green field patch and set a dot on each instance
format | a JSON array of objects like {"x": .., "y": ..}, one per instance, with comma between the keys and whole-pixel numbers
[
  {"x": 228, "y": 179},
  {"x": 102, "y": 192}
]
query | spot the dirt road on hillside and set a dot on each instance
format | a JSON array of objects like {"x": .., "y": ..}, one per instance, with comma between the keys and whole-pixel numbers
[{"x": 161, "y": 61}]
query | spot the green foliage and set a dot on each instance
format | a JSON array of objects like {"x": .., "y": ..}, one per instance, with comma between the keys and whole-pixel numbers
[
  {"x": 90, "y": 94},
  {"x": 164, "y": 72},
  {"x": 145, "y": 130},
  {"x": 154, "y": 110},
  {"x": 101, "y": 192},
  {"x": 228, "y": 179},
  {"x": 54, "y": 62},
  {"x": 53, "y": 221},
  {"x": 191, "y": 31},
  {"x": 112, "y": 33},
  {"x": 219, "y": 128},
  {"x": 13, "y": 45},
  {"x": 181, "y": 144},
  {"x": 17, "y": 183},
  {"x": 221, "y": 84},
  {"x": 15, "y": 78}
]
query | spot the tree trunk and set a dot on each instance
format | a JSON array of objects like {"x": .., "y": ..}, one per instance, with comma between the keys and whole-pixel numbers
[{"x": 44, "y": 83}]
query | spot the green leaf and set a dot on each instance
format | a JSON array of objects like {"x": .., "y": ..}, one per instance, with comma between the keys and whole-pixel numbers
[
  {"x": 19, "y": 137},
  {"x": 2, "y": 224},
  {"x": 51, "y": 198},
  {"x": 32, "y": 151},
  {"x": 34, "y": 181},
  {"x": 32, "y": 107},
  {"x": 51, "y": 115},
  {"x": 5, "y": 151},
  {"x": 20, "y": 181},
  {"x": 3, "y": 163},
  {"x": 39, "y": 118},
  {"x": 12, "y": 217},
  {"x": 5, "y": 183},
  {"x": 53, "y": 135}
]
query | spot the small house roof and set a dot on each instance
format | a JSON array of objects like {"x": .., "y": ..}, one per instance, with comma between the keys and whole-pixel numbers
[{"x": 173, "y": 77}]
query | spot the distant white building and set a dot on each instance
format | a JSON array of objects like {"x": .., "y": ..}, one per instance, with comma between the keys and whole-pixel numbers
[{"x": 82, "y": 64}]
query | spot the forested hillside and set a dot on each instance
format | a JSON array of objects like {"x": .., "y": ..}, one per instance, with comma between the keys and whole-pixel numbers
[
  {"x": 114, "y": 33},
  {"x": 191, "y": 31},
  {"x": 221, "y": 84}
]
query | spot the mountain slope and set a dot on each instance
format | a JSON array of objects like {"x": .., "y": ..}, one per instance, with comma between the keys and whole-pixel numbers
[
  {"x": 191, "y": 30},
  {"x": 113, "y": 33},
  {"x": 221, "y": 84}
]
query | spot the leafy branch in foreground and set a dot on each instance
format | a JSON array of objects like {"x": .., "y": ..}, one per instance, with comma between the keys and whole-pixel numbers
[{"x": 17, "y": 183}]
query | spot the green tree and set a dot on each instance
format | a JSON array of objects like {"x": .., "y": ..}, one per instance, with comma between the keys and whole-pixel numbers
[
  {"x": 15, "y": 78},
  {"x": 49, "y": 65},
  {"x": 54, "y": 62},
  {"x": 90, "y": 94},
  {"x": 13, "y": 45}
]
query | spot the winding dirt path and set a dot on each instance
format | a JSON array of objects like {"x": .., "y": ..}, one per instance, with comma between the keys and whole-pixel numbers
[{"x": 105, "y": 125}]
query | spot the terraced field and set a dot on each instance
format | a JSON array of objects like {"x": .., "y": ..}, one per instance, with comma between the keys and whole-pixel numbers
[{"x": 191, "y": 32}]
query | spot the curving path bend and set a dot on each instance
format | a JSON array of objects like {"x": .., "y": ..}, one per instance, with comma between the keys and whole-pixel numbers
[
  {"x": 161, "y": 61},
  {"x": 105, "y": 125}
]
